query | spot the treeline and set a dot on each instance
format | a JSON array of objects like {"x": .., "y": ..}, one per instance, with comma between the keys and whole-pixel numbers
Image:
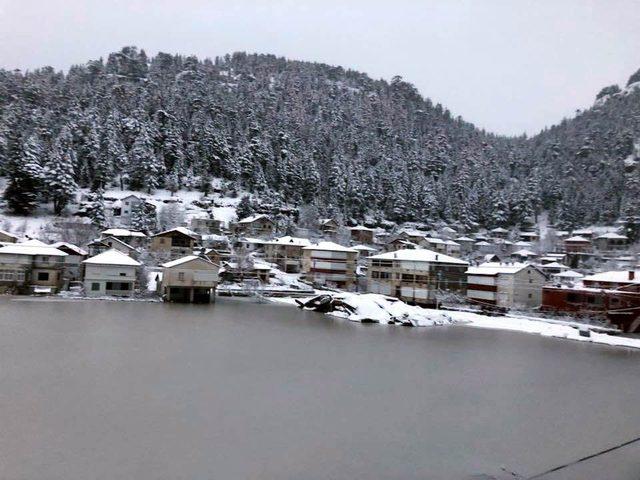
[{"x": 302, "y": 133}]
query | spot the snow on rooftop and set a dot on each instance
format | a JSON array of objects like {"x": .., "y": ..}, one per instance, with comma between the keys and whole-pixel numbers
[
  {"x": 122, "y": 232},
  {"x": 363, "y": 248},
  {"x": 361, "y": 228},
  {"x": 330, "y": 246},
  {"x": 613, "y": 236},
  {"x": 419, "y": 255},
  {"x": 495, "y": 268},
  {"x": 614, "y": 276},
  {"x": 289, "y": 240},
  {"x": 34, "y": 242},
  {"x": 24, "y": 249},
  {"x": 464, "y": 239},
  {"x": 253, "y": 218},
  {"x": 499, "y": 230},
  {"x": 187, "y": 259},
  {"x": 112, "y": 257},
  {"x": 70, "y": 246},
  {"x": 183, "y": 230},
  {"x": 524, "y": 253},
  {"x": 554, "y": 265},
  {"x": 4, "y": 232},
  {"x": 568, "y": 274},
  {"x": 577, "y": 238}
]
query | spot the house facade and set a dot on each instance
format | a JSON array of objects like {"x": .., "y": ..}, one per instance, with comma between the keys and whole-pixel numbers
[
  {"x": 328, "y": 263},
  {"x": 174, "y": 243},
  {"x": 206, "y": 226},
  {"x": 73, "y": 261},
  {"x": 31, "y": 268},
  {"x": 286, "y": 252},
  {"x": 256, "y": 225},
  {"x": 190, "y": 279},
  {"x": 415, "y": 276},
  {"x": 505, "y": 285},
  {"x": 361, "y": 234},
  {"x": 110, "y": 273}
]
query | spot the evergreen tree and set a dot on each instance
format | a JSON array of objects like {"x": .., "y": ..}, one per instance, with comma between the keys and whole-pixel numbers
[
  {"x": 25, "y": 175},
  {"x": 58, "y": 173}
]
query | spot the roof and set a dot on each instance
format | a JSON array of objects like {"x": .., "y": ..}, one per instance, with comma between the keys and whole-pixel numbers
[
  {"x": 121, "y": 242},
  {"x": 4, "y": 232},
  {"x": 112, "y": 257},
  {"x": 522, "y": 243},
  {"x": 528, "y": 234},
  {"x": 253, "y": 218},
  {"x": 289, "y": 240},
  {"x": 495, "y": 268},
  {"x": 330, "y": 246},
  {"x": 70, "y": 246},
  {"x": 568, "y": 274},
  {"x": 324, "y": 221},
  {"x": 182, "y": 230},
  {"x": 363, "y": 248},
  {"x": 583, "y": 231},
  {"x": 464, "y": 239},
  {"x": 448, "y": 230},
  {"x": 482, "y": 243},
  {"x": 576, "y": 238},
  {"x": 24, "y": 249},
  {"x": 435, "y": 241},
  {"x": 34, "y": 243},
  {"x": 187, "y": 259},
  {"x": 499, "y": 230},
  {"x": 524, "y": 253},
  {"x": 361, "y": 228},
  {"x": 554, "y": 265},
  {"x": 614, "y": 276},
  {"x": 451, "y": 243},
  {"x": 613, "y": 236},
  {"x": 122, "y": 232},
  {"x": 419, "y": 255}
]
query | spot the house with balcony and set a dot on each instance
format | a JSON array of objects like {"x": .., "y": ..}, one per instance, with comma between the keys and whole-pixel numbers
[
  {"x": 190, "y": 279},
  {"x": 416, "y": 276},
  {"x": 206, "y": 226},
  {"x": 505, "y": 285},
  {"x": 174, "y": 243},
  {"x": 255, "y": 225},
  {"x": 577, "y": 244},
  {"x": 361, "y": 234},
  {"x": 131, "y": 237},
  {"x": 110, "y": 273},
  {"x": 328, "y": 226},
  {"x": 31, "y": 267},
  {"x": 327, "y": 263},
  {"x": 611, "y": 242},
  {"x": 73, "y": 260},
  {"x": 286, "y": 252}
]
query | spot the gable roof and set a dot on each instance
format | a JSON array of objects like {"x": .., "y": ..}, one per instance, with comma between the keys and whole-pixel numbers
[
  {"x": 4, "y": 232},
  {"x": 112, "y": 257},
  {"x": 70, "y": 246},
  {"x": 577, "y": 238},
  {"x": 187, "y": 259},
  {"x": 34, "y": 242},
  {"x": 419, "y": 255},
  {"x": 289, "y": 240},
  {"x": 121, "y": 232},
  {"x": 25, "y": 249},
  {"x": 182, "y": 230},
  {"x": 614, "y": 276},
  {"x": 495, "y": 268},
  {"x": 330, "y": 246},
  {"x": 613, "y": 236},
  {"x": 121, "y": 242},
  {"x": 253, "y": 218}
]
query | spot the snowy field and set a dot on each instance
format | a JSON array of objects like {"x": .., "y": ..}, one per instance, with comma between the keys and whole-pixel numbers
[{"x": 385, "y": 310}]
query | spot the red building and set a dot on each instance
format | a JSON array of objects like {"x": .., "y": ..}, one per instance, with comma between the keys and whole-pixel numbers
[{"x": 614, "y": 296}]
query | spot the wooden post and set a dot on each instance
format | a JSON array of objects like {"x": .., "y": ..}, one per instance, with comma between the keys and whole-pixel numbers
[{"x": 191, "y": 294}]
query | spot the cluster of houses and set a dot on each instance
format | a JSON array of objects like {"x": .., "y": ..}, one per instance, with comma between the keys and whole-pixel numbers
[{"x": 495, "y": 269}]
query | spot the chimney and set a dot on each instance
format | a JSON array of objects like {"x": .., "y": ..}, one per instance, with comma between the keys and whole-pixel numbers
[
  {"x": 436, "y": 257},
  {"x": 632, "y": 274}
]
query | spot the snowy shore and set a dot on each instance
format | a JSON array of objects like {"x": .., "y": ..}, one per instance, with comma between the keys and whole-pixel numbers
[{"x": 384, "y": 310}]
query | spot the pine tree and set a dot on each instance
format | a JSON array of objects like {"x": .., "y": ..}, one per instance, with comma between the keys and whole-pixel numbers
[
  {"x": 95, "y": 210},
  {"x": 145, "y": 169},
  {"x": 143, "y": 218},
  {"x": 25, "y": 175},
  {"x": 58, "y": 172}
]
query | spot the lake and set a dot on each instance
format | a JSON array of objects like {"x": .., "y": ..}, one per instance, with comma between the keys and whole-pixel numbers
[{"x": 240, "y": 390}]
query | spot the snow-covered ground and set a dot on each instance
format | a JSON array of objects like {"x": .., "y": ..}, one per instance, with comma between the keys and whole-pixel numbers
[{"x": 385, "y": 310}]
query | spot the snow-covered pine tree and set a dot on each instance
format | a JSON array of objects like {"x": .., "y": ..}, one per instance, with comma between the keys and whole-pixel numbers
[
  {"x": 58, "y": 172},
  {"x": 95, "y": 210},
  {"x": 25, "y": 174}
]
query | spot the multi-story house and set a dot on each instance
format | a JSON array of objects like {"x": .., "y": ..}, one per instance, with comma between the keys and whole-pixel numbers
[
  {"x": 286, "y": 252},
  {"x": 361, "y": 234},
  {"x": 73, "y": 260},
  {"x": 174, "y": 243},
  {"x": 256, "y": 225},
  {"x": 206, "y": 226},
  {"x": 110, "y": 273},
  {"x": 31, "y": 268},
  {"x": 415, "y": 276},
  {"x": 505, "y": 285},
  {"x": 191, "y": 279},
  {"x": 327, "y": 263},
  {"x": 130, "y": 237}
]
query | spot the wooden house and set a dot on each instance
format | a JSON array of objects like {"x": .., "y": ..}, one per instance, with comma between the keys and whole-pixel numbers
[
  {"x": 190, "y": 279},
  {"x": 174, "y": 243}
]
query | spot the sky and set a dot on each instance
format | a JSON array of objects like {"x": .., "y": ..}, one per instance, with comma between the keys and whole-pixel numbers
[{"x": 508, "y": 66}]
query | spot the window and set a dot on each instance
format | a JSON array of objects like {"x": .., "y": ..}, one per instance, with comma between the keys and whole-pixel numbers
[
  {"x": 162, "y": 241},
  {"x": 45, "y": 259},
  {"x": 123, "y": 274},
  {"x": 43, "y": 276},
  {"x": 530, "y": 295},
  {"x": 530, "y": 281},
  {"x": 95, "y": 286},
  {"x": 181, "y": 276}
]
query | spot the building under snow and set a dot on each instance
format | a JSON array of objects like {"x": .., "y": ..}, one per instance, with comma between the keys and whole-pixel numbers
[
  {"x": 110, "y": 273},
  {"x": 505, "y": 285}
]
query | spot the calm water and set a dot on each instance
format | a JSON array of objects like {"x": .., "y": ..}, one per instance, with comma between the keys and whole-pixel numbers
[{"x": 115, "y": 390}]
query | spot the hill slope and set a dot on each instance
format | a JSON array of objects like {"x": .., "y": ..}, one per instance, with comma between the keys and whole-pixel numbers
[{"x": 305, "y": 133}]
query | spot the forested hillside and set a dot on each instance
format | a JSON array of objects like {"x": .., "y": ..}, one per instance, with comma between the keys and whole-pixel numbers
[{"x": 305, "y": 133}]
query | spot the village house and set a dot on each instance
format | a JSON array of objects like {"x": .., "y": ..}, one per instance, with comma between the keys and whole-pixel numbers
[
  {"x": 206, "y": 226},
  {"x": 505, "y": 285},
  {"x": 328, "y": 226},
  {"x": 447, "y": 232},
  {"x": 96, "y": 246},
  {"x": 524, "y": 255},
  {"x": 361, "y": 234},
  {"x": 415, "y": 276},
  {"x": 72, "y": 271},
  {"x": 552, "y": 268},
  {"x": 584, "y": 232},
  {"x": 120, "y": 211},
  {"x": 174, "y": 243},
  {"x": 613, "y": 295},
  {"x": 190, "y": 279},
  {"x": 131, "y": 237},
  {"x": 255, "y": 225},
  {"x": 566, "y": 277},
  {"x": 286, "y": 252},
  {"x": 452, "y": 248},
  {"x": 466, "y": 244},
  {"x": 398, "y": 244},
  {"x": 110, "y": 273},
  {"x": 328, "y": 263},
  {"x": 364, "y": 251},
  {"x": 483, "y": 247},
  {"x": 6, "y": 237},
  {"x": 413, "y": 236},
  {"x": 116, "y": 243},
  {"x": 611, "y": 242},
  {"x": 499, "y": 232},
  {"x": 529, "y": 237},
  {"x": 577, "y": 244},
  {"x": 245, "y": 270},
  {"x": 31, "y": 267}
]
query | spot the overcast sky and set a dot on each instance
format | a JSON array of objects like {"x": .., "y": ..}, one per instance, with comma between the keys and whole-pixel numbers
[{"x": 508, "y": 66}]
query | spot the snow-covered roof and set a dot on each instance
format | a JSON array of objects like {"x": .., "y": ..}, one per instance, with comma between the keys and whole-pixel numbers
[
  {"x": 187, "y": 259},
  {"x": 499, "y": 230},
  {"x": 288, "y": 240},
  {"x": 583, "y": 231},
  {"x": 482, "y": 243},
  {"x": 576, "y": 238},
  {"x": 253, "y": 218},
  {"x": 522, "y": 243},
  {"x": 4, "y": 232},
  {"x": 183, "y": 230},
  {"x": 363, "y": 248},
  {"x": 70, "y": 246},
  {"x": 361, "y": 228},
  {"x": 258, "y": 241},
  {"x": 554, "y": 265},
  {"x": 567, "y": 274},
  {"x": 435, "y": 241},
  {"x": 495, "y": 268},
  {"x": 451, "y": 243},
  {"x": 121, "y": 242},
  {"x": 112, "y": 257},
  {"x": 614, "y": 276},
  {"x": 464, "y": 239},
  {"x": 419, "y": 255},
  {"x": 34, "y": 242},
  {"x": 330, "y": 246},
  {"x": 412, "y": 233},
  {"x": 24, "y": 249},
  {"x": 324, "y": 221},
  {"x": 448, "y": 230},
  {"x": 122, "y": 232},
  {"x": 524, "y": 253},
  {"x": 528, "y": 234},
  {"x": 613, "y": 236}
]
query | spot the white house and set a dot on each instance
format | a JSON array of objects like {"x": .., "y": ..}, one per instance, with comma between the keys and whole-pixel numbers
[
  {"x": 110, "y": 273},
  {"x": 505, "y": 285},
  {"x": 329, "y": 263}
]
